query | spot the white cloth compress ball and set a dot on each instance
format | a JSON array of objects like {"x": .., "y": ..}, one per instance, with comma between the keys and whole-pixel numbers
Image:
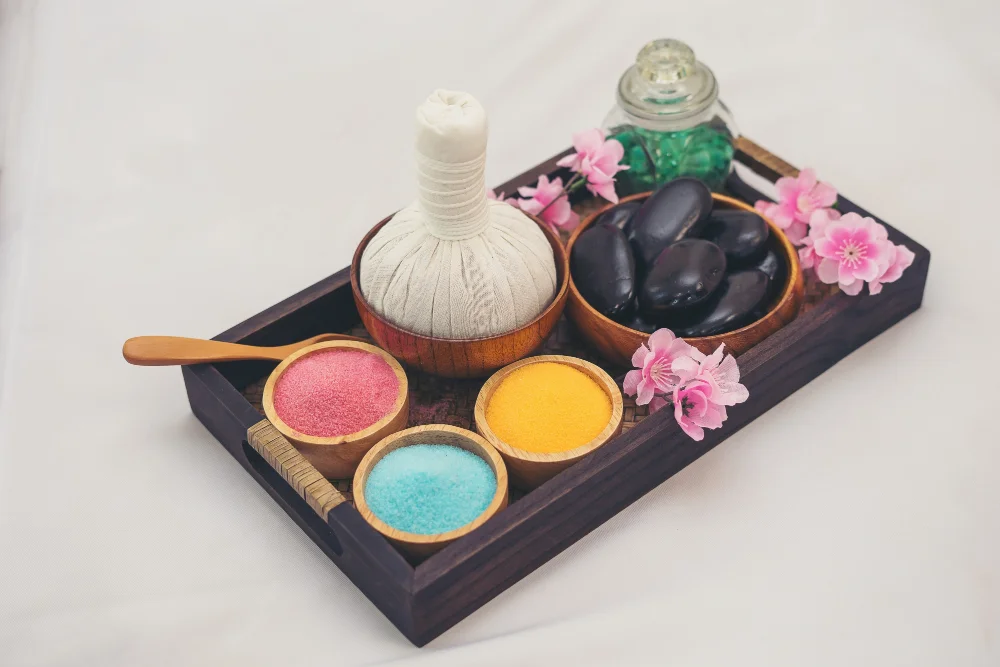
[{"x": 454, "y": 264}]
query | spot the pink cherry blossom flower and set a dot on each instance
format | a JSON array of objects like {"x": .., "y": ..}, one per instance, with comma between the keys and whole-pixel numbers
[
  {"x": 817, "y": 223},
  {"x": 853, "y": 250},
  {"x": 653, "y": 366},
  {"x": 490, "y": 194},
  {"x": 899, "y": 259},
  {"x": 719, "y": 371},
  {"x": 559, "y": 215},
  {"x": 798, "y": 198},
  {"x": 657, "y": 404},
  {"x": 695, "y": 411},
  {"x": 596, "y": 158}
]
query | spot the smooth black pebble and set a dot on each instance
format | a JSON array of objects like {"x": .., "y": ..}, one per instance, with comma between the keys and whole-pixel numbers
[
  {"x": 640, "y": 324},
  {"x": 670, "y": 214},
  {"x": 620, "y": 216},
  {"x": 738, "y": 303},
  {"x": 776, "y": 269},
  {"x": 742, "y": 235},
  {"x": 685, "y": 274},
  {"x": 772, "y": 265},
  {"x": 604, "y": 271}
]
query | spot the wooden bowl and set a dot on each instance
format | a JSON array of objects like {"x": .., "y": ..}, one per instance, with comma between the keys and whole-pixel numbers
[
  {"x": 414, "y": 544},
  {"x": 618, "y": 342},
  {"x": 339, "y": 456},
  {"x": 530, "y": 469},
  {"x": 476, "y": 357}
]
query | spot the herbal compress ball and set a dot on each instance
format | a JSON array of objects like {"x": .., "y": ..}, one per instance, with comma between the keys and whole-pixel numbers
[{"x": 454, "y": 264}]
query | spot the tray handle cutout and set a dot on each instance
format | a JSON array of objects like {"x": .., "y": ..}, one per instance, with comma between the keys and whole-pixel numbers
[{"x": 301, "y": 475}]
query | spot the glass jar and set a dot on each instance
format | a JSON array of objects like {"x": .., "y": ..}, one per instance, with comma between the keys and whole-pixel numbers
[{"x": 670, "y": 120}]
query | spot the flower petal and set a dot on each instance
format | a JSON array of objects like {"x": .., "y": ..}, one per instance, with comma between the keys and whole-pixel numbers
[
  {"x": 613, "y": 150},
  {"x": 853, "y": 288},
  {"x": 697, "y": 404},
  {"x": 660, "y": 340},
  {"x": 796, "y": 232},
  {"x": 645, "y": 392},
  {"x": 851, "y": 219},
  {"x": 840, "y": 232},
  {"x": 588, "y": 142},
  {"x": 710, "y": 418},
  {"x": 693, "y": 431},
  {"x": 685, "y": 368},
  {"x": 781, "y": 217},
  {"x": 807, "y": 257},
  {"x": 900, "y": 259},
  {"x": 867, "y": 269},
  {"x": 734, "y": 393},
  {"x": 788, "y": 188},
  {"x": 657, "y": 404},
  {"x": 728, "y": 371},
  {"x": 532, "y": 206},
  {"x": 824, "y": 194},
  {"x": 568, "y": 161},
  {"x": 762, "y": 206},
  {"x": 845, "y": 274},
  {"x": 826, "y": 247},
  {"x": 807, "y": 179},
  {"x": 605, "y": 190},
  {"x": 639, "y": 356},
  {"x": 571, "y": 222},
  {"x": 631, "y": 383},
  {"x": 828, "y": 270}
]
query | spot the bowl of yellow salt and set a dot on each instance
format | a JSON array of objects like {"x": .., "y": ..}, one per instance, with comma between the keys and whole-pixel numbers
[{"x": 545, "y": 413}]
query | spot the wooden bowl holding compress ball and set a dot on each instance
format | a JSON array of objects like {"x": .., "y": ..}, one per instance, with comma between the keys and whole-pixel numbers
[
  {"x": 463, "y": 358},
  {"x": 618, "y": 342},
  {"x": 339, "y": 456},
  {"x": 417, "y": 545}
]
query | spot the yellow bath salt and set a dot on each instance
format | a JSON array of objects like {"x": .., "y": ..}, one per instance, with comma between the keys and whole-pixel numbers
[{"x": 548, "y": 407}]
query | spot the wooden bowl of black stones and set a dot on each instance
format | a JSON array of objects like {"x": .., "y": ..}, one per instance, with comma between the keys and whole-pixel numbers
[{"x": 706, "y": 266}]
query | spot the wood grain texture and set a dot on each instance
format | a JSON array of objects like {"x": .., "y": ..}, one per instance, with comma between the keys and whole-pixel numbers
[
  {"x": 763, "y": 161},
  {"x": 301, "y": 475},
  {"x": 338, "y": 456},
  {"x": 180, "y": 351},
  {"x": 425, "y": 601},
  {"x": 345, "y": 538},
  {"x": 470, "y": 572},
  {"x": 463, "y": 358},
  {"x": 530, "y": 469},
  {"x": 421, "y": 546},
  {"x": 618, "y": 342}
]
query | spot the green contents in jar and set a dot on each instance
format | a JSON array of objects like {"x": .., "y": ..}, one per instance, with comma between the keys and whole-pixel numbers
[{"x": 654, "y": 158}]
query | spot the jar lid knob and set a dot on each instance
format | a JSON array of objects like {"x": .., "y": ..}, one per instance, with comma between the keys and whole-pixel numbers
[{"x": 665, "y": 61}]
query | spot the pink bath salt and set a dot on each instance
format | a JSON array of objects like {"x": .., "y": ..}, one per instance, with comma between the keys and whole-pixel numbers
[{"x": 335, "y": 392}]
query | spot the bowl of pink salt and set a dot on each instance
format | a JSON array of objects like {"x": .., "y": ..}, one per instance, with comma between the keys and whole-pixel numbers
[{"x": 334, "y": 401}]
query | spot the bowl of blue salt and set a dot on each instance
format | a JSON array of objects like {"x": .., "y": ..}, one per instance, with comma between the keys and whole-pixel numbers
[{"x": 427, "y": 486}]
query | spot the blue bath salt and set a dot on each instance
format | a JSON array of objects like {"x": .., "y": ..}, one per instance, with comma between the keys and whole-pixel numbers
[{"x": 430, "y": 489}]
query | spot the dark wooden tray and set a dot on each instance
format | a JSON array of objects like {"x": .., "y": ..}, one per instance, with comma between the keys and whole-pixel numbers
[{"x": 425, "y": 599}]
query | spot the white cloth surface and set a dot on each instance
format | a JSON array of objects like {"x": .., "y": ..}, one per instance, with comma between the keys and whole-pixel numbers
[{"x": 151, "y": 148}]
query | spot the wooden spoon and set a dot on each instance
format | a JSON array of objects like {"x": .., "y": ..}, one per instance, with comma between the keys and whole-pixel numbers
[{"x": 177, "y": 351}]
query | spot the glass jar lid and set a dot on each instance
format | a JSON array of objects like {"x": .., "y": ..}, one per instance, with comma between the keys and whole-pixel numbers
[{"x": 666, "y": 84}]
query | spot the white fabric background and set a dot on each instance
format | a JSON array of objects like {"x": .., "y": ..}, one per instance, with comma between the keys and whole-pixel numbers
[{"x": 153, "y": 152}]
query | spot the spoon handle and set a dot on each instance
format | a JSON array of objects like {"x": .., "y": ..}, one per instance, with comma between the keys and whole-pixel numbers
[{"x": 178, "y": 351}]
